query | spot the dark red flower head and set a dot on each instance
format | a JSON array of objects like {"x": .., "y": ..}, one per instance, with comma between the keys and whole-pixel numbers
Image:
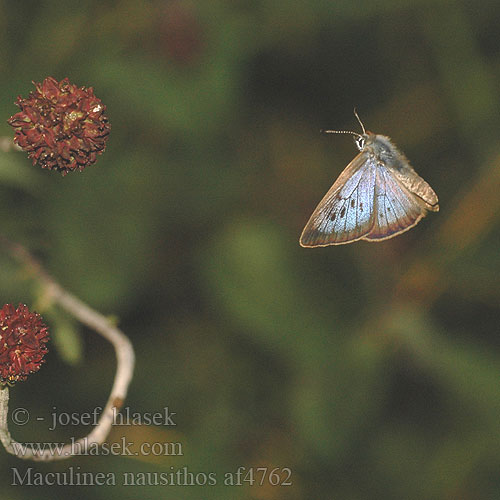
[
  {"x": 61, "y": 126},
  {"x": 23, "y": 336}
]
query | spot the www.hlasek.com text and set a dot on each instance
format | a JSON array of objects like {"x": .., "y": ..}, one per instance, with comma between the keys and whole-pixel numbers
[{"x": 122, "y": 447}]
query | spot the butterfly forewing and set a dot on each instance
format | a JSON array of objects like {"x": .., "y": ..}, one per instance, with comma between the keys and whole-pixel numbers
[{"x": 345, "y": 213}]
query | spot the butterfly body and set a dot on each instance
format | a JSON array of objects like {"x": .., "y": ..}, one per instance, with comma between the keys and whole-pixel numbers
[{"x": 376, "y": 197}]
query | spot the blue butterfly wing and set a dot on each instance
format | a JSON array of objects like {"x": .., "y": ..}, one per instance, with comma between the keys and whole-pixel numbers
[
  {"x": 396, "y": 208},
  {"x": 346, "y": 213}
]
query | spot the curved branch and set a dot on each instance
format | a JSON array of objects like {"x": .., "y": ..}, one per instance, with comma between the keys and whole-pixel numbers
[{"x": 125, "y": 360}]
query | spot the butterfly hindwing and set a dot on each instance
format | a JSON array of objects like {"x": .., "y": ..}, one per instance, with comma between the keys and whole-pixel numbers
[
  {"x": 396, "y": 209},
  {"x": 416, "y": 185}
]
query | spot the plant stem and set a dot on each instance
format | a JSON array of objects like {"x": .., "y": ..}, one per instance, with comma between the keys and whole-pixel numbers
[{"x": 125, "y": 360}]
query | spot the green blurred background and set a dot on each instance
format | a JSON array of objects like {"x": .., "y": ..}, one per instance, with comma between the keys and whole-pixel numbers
[{"x": 370, "y": 370}]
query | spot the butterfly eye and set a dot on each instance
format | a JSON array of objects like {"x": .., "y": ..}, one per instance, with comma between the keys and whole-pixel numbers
[{"x": 360, "y": 143}]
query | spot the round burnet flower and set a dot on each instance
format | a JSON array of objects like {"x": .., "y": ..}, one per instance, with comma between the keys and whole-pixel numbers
[
  {"x": 23, "y": 336},
  {"x": 61, "y": 126}
]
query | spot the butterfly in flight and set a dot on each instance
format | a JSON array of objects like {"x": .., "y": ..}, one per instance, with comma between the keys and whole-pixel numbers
[{"x": 376, "y": 197}]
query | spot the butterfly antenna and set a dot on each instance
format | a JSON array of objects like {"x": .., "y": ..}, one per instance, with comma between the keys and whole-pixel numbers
[
  {"x": 359, "y": 120},
  {"x": 322, "y": 131}
]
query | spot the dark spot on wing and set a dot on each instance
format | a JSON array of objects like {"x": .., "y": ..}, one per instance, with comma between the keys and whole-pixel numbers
[
  {"x": 342, "y": 212},
  {"x": 352, "y": 203},
  {"x": 361, "y": 207},
  {"x": 332, "y": 217},
  {"x": 338, "y": 196},
  {"x": 381, "y": 214}
]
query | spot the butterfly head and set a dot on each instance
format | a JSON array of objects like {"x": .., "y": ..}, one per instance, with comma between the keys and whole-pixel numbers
[
  {"x": 360, "y": 141},
  {"x": 363, "y": 140}
]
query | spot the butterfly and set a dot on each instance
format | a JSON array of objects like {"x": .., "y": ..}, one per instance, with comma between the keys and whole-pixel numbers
[{"x": 376, "y": 197}]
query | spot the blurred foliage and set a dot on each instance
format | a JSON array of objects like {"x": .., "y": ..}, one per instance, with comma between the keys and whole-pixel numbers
[{"x": 369, "y": 370}]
